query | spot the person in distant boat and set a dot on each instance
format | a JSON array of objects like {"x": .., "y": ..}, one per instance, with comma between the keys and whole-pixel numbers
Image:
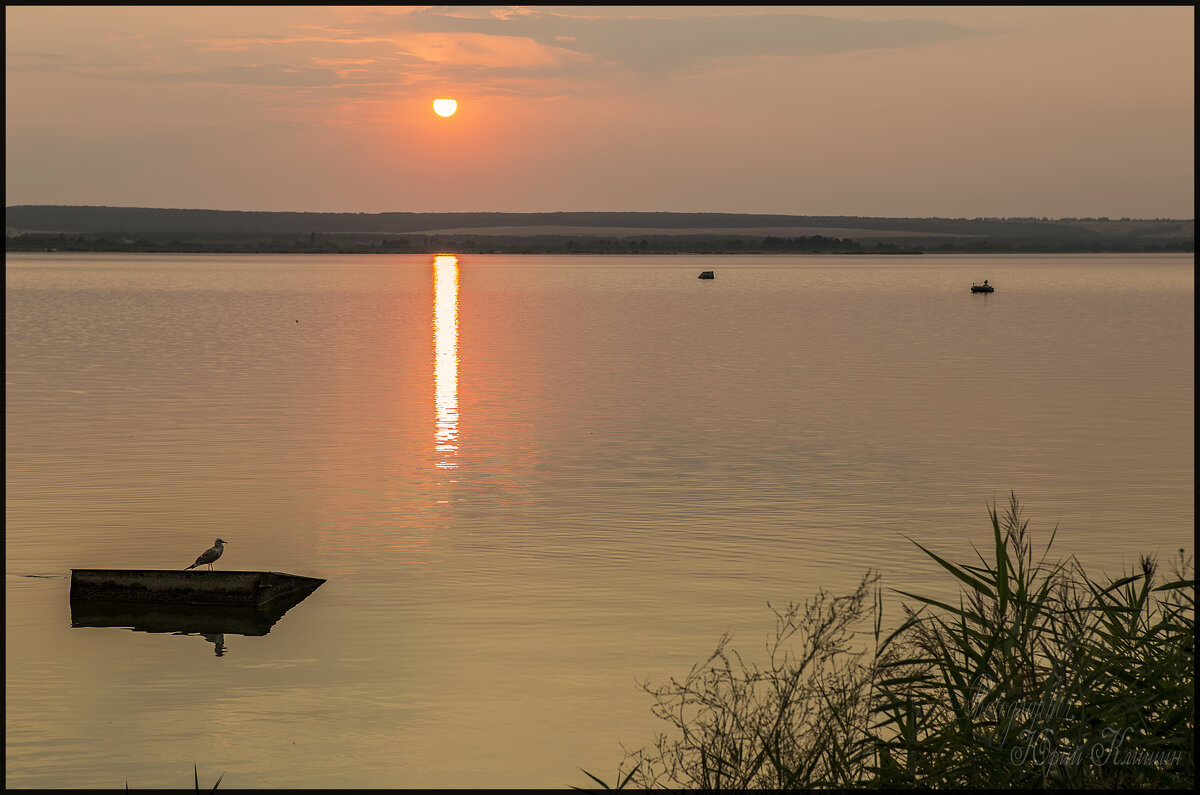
[{"x": 985, "y": 284}]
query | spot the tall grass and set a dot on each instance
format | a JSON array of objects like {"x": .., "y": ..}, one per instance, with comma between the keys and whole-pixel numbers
[{"x": 1040, "y": 676}]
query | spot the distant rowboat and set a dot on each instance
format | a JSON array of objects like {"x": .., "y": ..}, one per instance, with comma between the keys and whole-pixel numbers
[{"x": 982, "y": 288}]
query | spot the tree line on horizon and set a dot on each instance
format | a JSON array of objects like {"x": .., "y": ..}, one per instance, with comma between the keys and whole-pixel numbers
[
  {"x": 85, "y": 219},
  {"x": 69, "y": 228},
  {"x": 313, "y": 243}
]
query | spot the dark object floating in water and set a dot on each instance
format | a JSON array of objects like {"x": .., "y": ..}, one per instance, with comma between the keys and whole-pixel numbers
[
  {"x": 210, "y": 604},
  {"x": 163, "y": 586},
  {"x": 983, "y": 288},
  {"x": 707, "y": 275}
]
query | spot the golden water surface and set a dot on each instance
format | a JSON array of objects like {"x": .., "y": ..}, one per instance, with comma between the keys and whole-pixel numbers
[{"x": 531, "y": 482}]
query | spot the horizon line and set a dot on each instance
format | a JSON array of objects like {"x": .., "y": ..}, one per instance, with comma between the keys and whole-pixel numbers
[{"x": 612, "y": 212}]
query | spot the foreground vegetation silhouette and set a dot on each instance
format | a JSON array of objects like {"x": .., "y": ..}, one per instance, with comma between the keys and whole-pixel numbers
[{"x": 1040, "y": 677}]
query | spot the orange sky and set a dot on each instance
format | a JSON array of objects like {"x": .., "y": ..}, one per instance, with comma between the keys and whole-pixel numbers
[{"x": 813, "y": 110}]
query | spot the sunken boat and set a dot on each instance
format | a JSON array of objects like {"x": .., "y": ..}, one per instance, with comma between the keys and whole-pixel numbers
[
  {"x": 205, "y": 602},
  {"x": 233, "y": 588}
]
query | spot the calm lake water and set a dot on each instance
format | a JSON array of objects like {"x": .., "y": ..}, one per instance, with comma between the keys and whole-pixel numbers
[{"x": 532, "y": 481}]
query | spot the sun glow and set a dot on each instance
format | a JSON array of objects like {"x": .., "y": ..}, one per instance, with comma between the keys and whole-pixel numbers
[
  {"x": 445, "y": 107},
  {"x": 445, "y": 359}
]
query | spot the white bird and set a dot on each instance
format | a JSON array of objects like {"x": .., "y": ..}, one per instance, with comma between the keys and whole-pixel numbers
[{"x": 210, "y": 555}]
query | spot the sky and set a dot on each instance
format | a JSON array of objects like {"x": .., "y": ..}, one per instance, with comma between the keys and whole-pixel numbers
[{"x": 903, "y": 111}]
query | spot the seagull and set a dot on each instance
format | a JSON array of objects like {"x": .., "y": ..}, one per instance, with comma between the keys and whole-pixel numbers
[{"x": 210, "y": 555}]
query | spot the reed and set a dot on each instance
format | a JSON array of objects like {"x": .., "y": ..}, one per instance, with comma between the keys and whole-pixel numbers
[
  {"x": 196, "y": 776},
  {"x": 1040, "y": 676},
  {"x": 196, "y": 773}
]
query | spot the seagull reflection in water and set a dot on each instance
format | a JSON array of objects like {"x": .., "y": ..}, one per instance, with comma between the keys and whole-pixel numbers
[{"x": 217, "y": 640}]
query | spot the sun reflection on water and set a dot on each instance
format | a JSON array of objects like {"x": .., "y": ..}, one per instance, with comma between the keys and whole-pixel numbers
[{"x": 445, "y": 362}]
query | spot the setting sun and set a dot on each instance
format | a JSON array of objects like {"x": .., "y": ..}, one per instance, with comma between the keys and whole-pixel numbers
[{"x": 445, "y": 107}]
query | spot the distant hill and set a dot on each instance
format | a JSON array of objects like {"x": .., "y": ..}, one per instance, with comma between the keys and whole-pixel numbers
[{"x": 125, "y": 228}]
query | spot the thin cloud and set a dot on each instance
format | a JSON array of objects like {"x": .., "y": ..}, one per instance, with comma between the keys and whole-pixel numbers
[
  {"x": 478, "y": 49},
  {"x": 663, "y": 46},
  {"x": 30, "y": 61},
  {"x": 539, "y": 47},
  {"x": 323, "y": 36},
  {"x": 266, "y": 74}
]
